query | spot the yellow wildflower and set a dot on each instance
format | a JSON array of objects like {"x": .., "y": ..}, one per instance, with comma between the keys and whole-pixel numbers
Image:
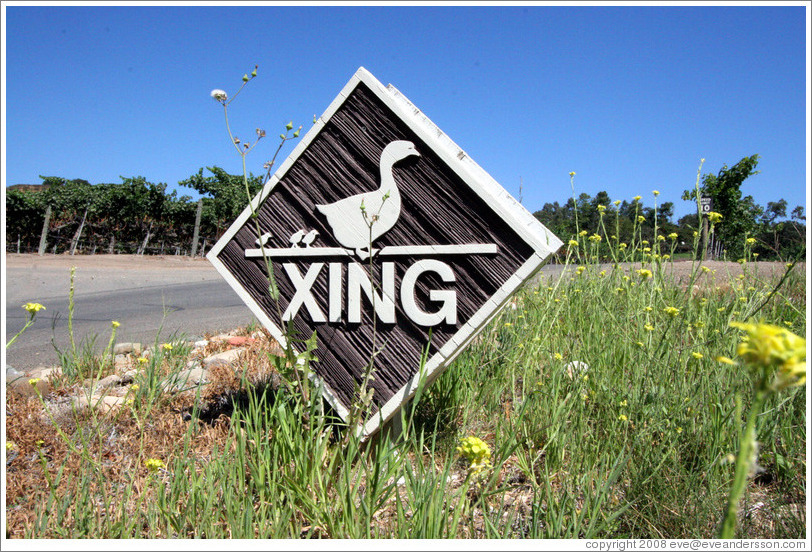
[
  {"x": 750, "y": 241},
  {"x": 622, "y": 246},
  {"x": 696, "y": 354},
  {"x": 573, "y": 243},
  {"x": 656, "y": 193},
  {"x": 580, "y": 270},
  {"x": 779, "y": 354},
  {"x": 623, "y": 418},
  {"x": 616, "y": 202},
  {"x": 154, "y": 464},
  {"x": 644, "y": 273},
  {"x": 714, "y": 217},
  {"x": 583, "y": 233},
  {"x": 673, "y": 235},
  {"x": 641, "y": 218},
  {"x": 558, "y": 356},
  {"x": 637, "y": 198},
  {"x": 671, "y": 311},
  {"x": 116, "y": 323},
  {"x": 572, "y": 173},
  {"x": 33, "y": 382},
  {"x": 10, "y": 445},
  {"x": 476, "y": 452},
  {"x": 594, "y": 238},
  {"x": 33, "y": 308},
  {"x": 167, "y": 346},
  {"x": 649, "y": 328}
]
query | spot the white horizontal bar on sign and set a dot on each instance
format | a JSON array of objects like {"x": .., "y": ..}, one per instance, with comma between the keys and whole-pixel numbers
[
  {"x": 389, "y": 251},
  {"x": 301, "y": 252},
  {"x": 464, "y": 249}
]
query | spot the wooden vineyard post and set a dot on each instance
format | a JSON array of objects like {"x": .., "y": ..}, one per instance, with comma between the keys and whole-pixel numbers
[
  {"x": 43, "y": 240},
  {"x": 197, "y": 226}
]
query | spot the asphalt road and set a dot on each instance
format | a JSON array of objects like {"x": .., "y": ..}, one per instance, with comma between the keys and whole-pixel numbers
[{"x": 153, "y": 298}]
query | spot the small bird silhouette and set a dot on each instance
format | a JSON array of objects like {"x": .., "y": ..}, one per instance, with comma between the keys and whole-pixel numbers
[
  {"x": 310, "y": 237},
  {"x": 296, "y": 238},
  {"x": 263, "y": 239}
]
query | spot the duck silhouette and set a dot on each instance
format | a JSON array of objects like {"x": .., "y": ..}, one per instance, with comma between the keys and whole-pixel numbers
[{"x": 381, "y": 208}]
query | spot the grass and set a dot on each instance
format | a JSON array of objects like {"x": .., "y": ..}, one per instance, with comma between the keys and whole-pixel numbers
[{"x": 636, "y": 442}]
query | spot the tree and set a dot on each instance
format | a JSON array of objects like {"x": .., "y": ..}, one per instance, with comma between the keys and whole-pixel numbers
[
  {"x": 739, "y": 215},
  {"x": 228, "y": 192},
  {"x": 798, "y": 213},
  {"x": 24, "y": 216}
]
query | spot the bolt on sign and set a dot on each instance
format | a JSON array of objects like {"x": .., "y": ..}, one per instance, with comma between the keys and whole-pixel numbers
[{"x": 377, "y": 213}]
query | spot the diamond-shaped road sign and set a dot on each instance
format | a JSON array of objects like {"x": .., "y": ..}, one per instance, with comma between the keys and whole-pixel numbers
[{"x": 448, "y": 246}]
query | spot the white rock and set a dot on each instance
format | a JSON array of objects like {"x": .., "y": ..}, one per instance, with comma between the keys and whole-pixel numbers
[
  {"x": 127, "y": 348},
  {"x": 45, "y": 373},
  {"x": 185, "y": 379},
  {"x": 576, "y": 368},
  {"x": 225, "y": 358},
  {"x": 110, "y": 381}
]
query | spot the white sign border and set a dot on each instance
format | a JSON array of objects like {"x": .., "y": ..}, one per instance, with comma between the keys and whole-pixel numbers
[{"x": 543, "y": 242}]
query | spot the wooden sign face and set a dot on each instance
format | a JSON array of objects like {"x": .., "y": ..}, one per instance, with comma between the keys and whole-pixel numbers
[
  {"x": 446, "y": 248},
  {"x": 706, "y": 203}
]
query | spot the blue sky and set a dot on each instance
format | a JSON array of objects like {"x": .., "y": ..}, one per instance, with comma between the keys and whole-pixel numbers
[{"x": 630, "y": 98}]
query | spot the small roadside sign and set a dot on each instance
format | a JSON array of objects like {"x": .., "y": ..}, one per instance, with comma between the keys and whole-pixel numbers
[
  {"x": 706, "y": 204},
  {"x": 384, "y": 235}
]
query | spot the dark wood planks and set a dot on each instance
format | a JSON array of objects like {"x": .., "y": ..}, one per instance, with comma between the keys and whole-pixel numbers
[{"x": 438, "y": 208}]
